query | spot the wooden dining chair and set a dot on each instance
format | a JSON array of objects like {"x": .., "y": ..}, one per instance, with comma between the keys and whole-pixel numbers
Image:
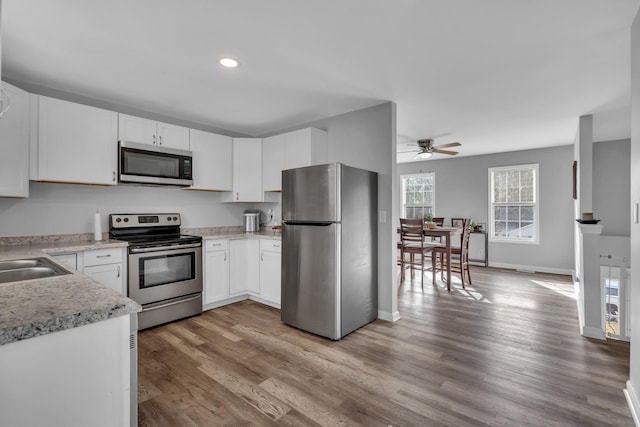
[
  {"x": 459, "y": 255},
  {"x": 413, "y": 244}
]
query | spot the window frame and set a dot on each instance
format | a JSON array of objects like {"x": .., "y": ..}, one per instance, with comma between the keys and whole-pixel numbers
[
  {"x": 536, "y": 205},
  {"x": 403, "y": 194}
]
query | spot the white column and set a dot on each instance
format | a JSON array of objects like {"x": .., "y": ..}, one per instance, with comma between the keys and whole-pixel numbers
[{"x": 590, "y": 298}]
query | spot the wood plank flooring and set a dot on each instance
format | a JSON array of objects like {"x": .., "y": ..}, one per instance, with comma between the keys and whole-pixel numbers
[{"x": 506, "y": 352}]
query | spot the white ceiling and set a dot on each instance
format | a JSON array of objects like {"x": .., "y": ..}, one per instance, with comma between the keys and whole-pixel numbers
[{"x": 496, "y": 75}]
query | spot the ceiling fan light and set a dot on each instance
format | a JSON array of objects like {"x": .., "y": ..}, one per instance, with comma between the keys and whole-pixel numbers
[
  {"x": 229, "y": 63},
  {"x": 425, "y": 155}
]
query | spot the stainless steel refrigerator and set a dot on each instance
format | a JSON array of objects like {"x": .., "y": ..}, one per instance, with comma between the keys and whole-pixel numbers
[{"x": 329, "y": 249}]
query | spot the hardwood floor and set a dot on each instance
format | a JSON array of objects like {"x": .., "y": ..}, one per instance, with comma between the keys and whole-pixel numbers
[{"x": 505, "y": 352}]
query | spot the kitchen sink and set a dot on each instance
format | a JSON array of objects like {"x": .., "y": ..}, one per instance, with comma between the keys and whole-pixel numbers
[{"x": 16, "y": 270}]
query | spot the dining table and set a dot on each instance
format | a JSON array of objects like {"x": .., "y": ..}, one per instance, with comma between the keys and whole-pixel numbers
[{"x": 447, "y": 233}]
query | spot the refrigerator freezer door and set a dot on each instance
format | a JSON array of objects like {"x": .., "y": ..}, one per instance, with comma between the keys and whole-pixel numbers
[
  {"x": 311, "y": 193},
  {"x": 310, "y": 279}
]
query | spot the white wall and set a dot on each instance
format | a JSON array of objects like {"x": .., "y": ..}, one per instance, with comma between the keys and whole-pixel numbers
[
  {"x": 633, "y": 386},
  {"x": 62, "y": 208},
  {"x": 366, "y": 139},
  {"x": 462, "y": 190}
]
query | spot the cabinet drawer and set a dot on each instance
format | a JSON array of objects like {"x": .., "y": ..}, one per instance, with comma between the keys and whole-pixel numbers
[
  {"x": 102, "y": 256},
  {"x": 270, "y": 245},
  {"x": 216, "y": 245}
]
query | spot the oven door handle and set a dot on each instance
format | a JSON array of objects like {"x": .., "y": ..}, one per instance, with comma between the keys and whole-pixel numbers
[{"x": 164, "y": 248}]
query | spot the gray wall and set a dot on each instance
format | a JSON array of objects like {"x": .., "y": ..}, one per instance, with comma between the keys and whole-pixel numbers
[
  {"x": 61, "y": 208},
  {"x": 612, "y": 186},
  {"x": 462, "y": 191},
  {"x": 633, "y": 386}
]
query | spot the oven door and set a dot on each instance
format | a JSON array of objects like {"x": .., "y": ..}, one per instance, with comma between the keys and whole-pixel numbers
[{"x": 157, "y": 274}]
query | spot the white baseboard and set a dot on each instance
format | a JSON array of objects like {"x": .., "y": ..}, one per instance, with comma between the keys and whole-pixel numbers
[
  {"x": 389, "y": 317},
  {"x": 632, "y": 401},
  {"x": 225, "y": 301},
  {"x": 263, "y": 301},
  {"x": 531, "y": 268},
  {"x": 591, "y": 332}
]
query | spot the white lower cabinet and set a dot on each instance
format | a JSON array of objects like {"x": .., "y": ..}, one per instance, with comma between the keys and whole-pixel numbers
[
  {"x": 216, "y": 270},
  {"x": 238, "y": 269},
  {"x": 270, "y": 267},
  {"x": 106, "y": 266},
  {"x": 244, "y": 269}
]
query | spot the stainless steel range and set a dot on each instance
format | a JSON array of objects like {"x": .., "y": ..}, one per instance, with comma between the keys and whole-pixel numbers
[{"x": 164, "y": 266}]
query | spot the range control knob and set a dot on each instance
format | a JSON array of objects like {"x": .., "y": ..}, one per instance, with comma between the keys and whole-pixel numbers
[
  {"x": 175, "y": 218},
  {"x": 126, "y": 219},
  {"x": 118, "y": 219},
  {"x": 168, "y": 218}
]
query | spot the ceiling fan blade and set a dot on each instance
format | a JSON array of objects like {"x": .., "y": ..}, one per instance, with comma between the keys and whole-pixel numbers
[
  {"x": 451, "y": 144},
  {"x": 451, "y": 153},
  {"x": 410, "y": 151}
]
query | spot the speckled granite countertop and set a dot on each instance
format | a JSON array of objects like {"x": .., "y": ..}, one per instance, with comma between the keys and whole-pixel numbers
[
  {"x": 31, "y": 308},
  {"x": 232, "y": 233}
]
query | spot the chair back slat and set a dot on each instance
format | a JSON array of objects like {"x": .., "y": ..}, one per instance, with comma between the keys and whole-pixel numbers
[{"x": 411, "y": 230}]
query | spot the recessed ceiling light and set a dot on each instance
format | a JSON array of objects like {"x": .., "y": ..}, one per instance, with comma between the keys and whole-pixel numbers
[{"x": 229, "y": 63}]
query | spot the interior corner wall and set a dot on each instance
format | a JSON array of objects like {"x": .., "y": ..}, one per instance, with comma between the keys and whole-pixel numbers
[
  {"x": 366, "y": 139},
  {"x": 462, "y": 190},
  {"x": 633, "y": 386}
]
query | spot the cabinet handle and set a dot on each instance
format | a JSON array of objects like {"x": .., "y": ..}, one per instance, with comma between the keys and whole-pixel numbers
[
  {"x": 225, "y": 256},
  {"x": 114, "y": 176},
  {"x": 103, "y": 256},
  {"x": 276, "y": 246},
  {"x": 261, "y": 256},
  {"x": 216, "y": 244},
  {"x": 118, "y": 268},
  {"x": 237, "y": 196},
  {"x": 160, "y": 138},
  {"x": 154, "y": 140}
]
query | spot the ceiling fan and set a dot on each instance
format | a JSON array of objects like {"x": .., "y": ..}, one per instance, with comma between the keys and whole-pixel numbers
[{"x": 426, "y": 148}]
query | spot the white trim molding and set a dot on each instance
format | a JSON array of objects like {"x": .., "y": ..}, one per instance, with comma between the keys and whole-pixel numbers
[
  {"x": 389, "y": 317},
  {"x": 531, "y": 268},
  {"x": 632, "y": 401}
]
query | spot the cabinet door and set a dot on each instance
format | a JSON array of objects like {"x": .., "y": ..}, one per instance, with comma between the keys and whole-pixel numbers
[
  {"x": 109, "y": 275},
  {"x": 247, "y": 170},
  {"x": 14, "y": 145},
  {"x": 137, "y": 129},
  {"x": 212, "y": 159},
  {"x": 253, "y": 266},
  {"x": 273, "y": 162},
  {"x": 76, "y": 143},
  {"x": 216, "y": 276},
  {"x": 237, "y": 266},
  {"x": 270, "y": 276},
  {"x": 172, "y": 136}
]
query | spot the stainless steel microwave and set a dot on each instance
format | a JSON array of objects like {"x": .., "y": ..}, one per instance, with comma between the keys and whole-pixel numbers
[{"x": 153, "y": 165}]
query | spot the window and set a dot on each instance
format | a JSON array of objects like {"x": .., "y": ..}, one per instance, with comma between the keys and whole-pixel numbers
[
  {"x": 513, "y": 200},
  {"x": 418, "y": 195}
]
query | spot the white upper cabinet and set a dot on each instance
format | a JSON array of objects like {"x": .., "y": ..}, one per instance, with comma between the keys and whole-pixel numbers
[
  {"x": 304, "y": 147},
  {"x": 212, "y": 160},
  {"x": 145, "y": 131},
  {"x": 75, "y": 143},
  {"x": 273, "y": 162},
  {"x": 247, "y": 170},
  {"x": 14, "y": 145}
]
